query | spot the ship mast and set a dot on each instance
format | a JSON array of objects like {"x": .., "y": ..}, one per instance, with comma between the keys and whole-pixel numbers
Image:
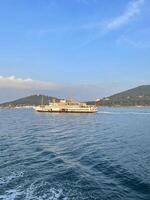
[{"x": 42, "y": 101}]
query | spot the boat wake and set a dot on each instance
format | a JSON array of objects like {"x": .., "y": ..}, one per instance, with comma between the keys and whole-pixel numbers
[
  {"x": 53, "y": 194},
  {"x": 123, "y": 113},
  {"x": 39, "y": 190}
]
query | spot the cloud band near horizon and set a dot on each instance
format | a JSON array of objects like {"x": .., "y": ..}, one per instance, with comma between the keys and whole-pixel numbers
[
  {"x": 12, "y": 88},
  {"x": 28, "y": 83}
]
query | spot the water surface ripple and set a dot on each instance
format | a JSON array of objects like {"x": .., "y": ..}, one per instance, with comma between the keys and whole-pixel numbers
[{"x": 102, "y": 156}]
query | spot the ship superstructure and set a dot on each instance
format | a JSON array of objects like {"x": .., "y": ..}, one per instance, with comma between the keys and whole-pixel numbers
[{"x": 68, "y": 106}]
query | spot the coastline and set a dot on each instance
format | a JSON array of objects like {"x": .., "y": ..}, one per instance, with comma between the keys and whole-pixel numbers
[{"x": 31, "y": 107}]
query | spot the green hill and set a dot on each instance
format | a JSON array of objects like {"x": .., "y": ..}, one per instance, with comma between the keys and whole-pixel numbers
[
  {"x": 139, "y": 96},
  {"x": 33, "y": 100}
]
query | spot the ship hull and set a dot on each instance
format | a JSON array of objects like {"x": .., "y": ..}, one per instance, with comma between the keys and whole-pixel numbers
[{"x": 65, "y": 110}]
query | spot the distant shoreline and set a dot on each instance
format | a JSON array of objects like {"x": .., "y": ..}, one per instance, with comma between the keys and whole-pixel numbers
[
  {"x": 29, "y": 107},
  {"x": 138, "y": 97}
]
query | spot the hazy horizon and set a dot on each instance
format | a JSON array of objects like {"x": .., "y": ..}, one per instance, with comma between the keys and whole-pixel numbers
[{"x": 62, "y": 93}]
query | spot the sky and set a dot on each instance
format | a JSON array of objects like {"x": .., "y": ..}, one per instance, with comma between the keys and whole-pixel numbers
[{"x": 84, "y": 49}]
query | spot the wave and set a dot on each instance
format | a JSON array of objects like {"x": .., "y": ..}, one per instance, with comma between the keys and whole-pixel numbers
[
  {"x": 11, "y": 194},
  {"x": 11, "y": 177},
  {"x": 124, "y": 177},
  {"x": 38, "y": 190},
  {"x": 53, "y": 194}
]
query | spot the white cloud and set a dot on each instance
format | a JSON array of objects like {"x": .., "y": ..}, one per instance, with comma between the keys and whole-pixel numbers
[
  {"x": 102, "y": 28},
  {"x": 133, "y": 42},
  {"x": 133, "y": 9},
  {"x": 27, "y": 84}
]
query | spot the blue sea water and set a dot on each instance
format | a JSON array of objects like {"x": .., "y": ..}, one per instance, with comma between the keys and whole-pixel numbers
[{"x": 102, "y": 156}]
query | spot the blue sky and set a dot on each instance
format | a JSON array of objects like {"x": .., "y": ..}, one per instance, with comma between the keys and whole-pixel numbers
[{"x": 91, "y": 48}]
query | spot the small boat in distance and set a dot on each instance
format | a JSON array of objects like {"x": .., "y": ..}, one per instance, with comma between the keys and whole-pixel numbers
[{"x": 66, "y": 106}]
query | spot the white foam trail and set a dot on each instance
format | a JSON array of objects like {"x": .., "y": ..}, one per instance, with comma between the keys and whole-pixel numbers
[
  {"x": 30, "y": 194},
  {"x": 110, "y": 113},
  {"x": 124, "y": 113},
  {"x": 13, "y": 176},
  {"x": 56, "y": 194},
  {"x": 106, "y": 112},
  {"x": 10, "y": 195},
  {"x": 51, "y": 194}
]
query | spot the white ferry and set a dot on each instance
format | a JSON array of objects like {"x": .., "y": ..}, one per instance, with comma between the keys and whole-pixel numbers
[{"x": 66, "y": 106}]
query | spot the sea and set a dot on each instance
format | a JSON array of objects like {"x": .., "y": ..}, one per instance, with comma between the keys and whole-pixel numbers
[{"x": 51, "y": 156}]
